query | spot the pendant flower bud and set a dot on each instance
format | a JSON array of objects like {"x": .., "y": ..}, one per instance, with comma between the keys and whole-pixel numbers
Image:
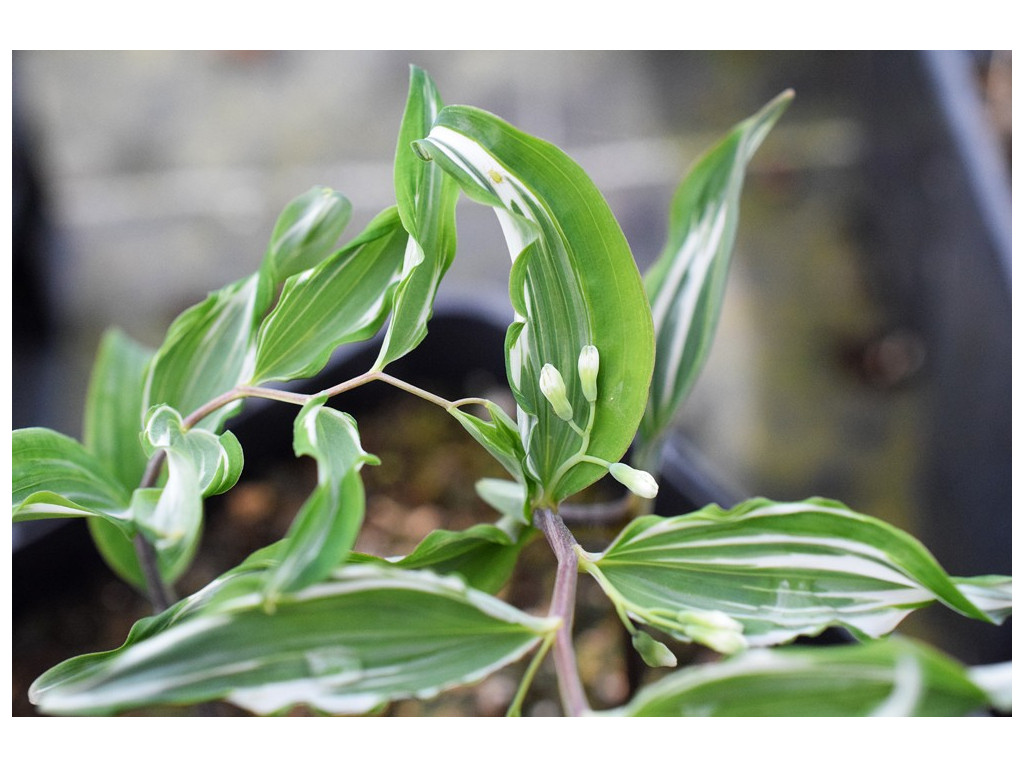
[
  {"x": 714, "y": 629},
  {"x": 639, "y": 482},
  {"x": 588, "y": 367},
  {"x": 553, "y": 387}
]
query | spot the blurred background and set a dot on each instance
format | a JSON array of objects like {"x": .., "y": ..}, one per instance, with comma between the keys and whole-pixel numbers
[{"x": 864, "y": 348}]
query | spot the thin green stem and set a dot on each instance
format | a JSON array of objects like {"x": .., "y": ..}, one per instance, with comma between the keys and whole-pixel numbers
[
  {"x": 515, "y": 708},
  {"x": 352, "y": 383},
  {"x": 563, "y": 601},
  {"x": 240, "y": 393},
  {"x": 412, "y": 389},
  {"x": 471, "y": 401},
  {"x": 610, "y": 591},
  {"x": 581, "y": 454}
]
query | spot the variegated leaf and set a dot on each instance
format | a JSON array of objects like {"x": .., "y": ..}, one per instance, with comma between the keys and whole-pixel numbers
[
  {"x": 573, "y": 283},
  {"x": 306, "y": 232},
  {"x": 484, "y": 555},
  {"x": 53, "y": 475},
  {"x": 325, "y": 528},
  {"x": 884, "y": 678},
  {"x": 499, "y": 436},
  {"x": 209, "y": 349},
  {"x": 426, "y": 199},
  {"x": 366, "y": 636},
  {"x": 687, "y": 283},
  {"x": 113, "y": 420},
  {"x": 113, "y": 407},
  {"x": 345, "y": 298},
  {"x": 765, "y": 572}
]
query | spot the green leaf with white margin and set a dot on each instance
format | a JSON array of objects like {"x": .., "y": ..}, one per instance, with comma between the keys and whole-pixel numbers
[
  {"x": 177, "y": 504},
  {"x": 484, "y": 555},
  {"x": 573, "y": 283},
  {"x": 53, "y": 475},
  {"x": 426, "y": 199},
  {"x": 776, "y": 571},
  {"x": 209, "y": 349},
  {"x": 171, "y": 517},
  {"x": 306, "y": 232},
  {"x": 343, "y": 299},
  {"x": 113, "y": 407},
  {"x": 884, "y": 678},
  {"x": 687, "y": 282},
  {"x": 992, "y": 594},
  {"x": 199, "y": 464},
  {"x": 113, "y": 420},
  {"x": 499, "y": 436},
  {"x": 324, "y": 530},
  {"x": 217, "y": 458},
  {"x": 240, "y": 580},
  {"x": 367, "y": 636}
]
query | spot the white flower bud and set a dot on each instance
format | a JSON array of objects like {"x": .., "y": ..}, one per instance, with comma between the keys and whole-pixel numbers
[
  {"x": 714, "y": 629},
  {"x": 553, "y": 387},
  {"x": 588, "y": 366},
  {"x": 639, "y": 482}
]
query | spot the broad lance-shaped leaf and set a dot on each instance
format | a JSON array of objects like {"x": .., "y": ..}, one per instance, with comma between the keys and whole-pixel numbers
[
  {"x": 426, "y": 199},
  {"x": 573, "y": 283},
  {"x": 113, "y": 420},
  {"x": 687, "y": 282},
  {"x": 367, "y": 636},
  {"x": 765, "y": 572},
  {"x": 113, "y": 407},
  {"x": 327, "y": 525},
  {"x": 484, "y": 556},
  {"x": 209, "y": 349},
  {"x": 345, "y": 298},
  {"x": 306, "y": 232},
  {"x": 894, "y": 677},
  {"x": 53, "y": 475}
]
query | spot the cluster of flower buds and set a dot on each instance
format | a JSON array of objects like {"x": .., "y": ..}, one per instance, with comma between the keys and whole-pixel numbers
[{"x": 552, "y": 385}]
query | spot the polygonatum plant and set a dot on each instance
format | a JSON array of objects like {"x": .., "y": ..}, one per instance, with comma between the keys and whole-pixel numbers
[{"x": 598, "y": 357}]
